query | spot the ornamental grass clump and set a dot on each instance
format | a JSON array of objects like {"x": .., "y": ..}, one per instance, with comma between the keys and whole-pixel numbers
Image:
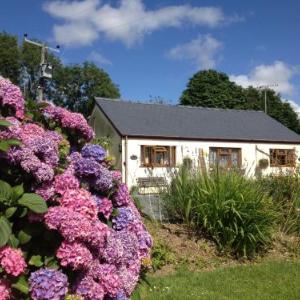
[
  {"x": 68, "y": 226},
  {"x": 284, "y": 188},
  {"x": 225, "y": 206}
]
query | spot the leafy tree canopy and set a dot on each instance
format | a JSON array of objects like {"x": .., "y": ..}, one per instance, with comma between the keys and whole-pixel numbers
[
  {"x": 76, "y": 86},
  {"x": 210, "y": 88},
  {"x": 9, "y": 57},
  {"x": 72, "y": 86}
]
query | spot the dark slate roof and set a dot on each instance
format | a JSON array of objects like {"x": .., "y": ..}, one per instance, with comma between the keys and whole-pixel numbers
[{"x": 185, "y": 122}]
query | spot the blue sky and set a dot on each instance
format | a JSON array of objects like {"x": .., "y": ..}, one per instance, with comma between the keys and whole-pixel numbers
[{"x": 152, "y": 48}]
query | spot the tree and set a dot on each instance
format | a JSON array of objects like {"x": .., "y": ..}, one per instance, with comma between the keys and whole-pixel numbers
[
  {"x": 72, "y": 86},
  {"x": 210, "y": 88},
  {"x": 76, "y": 86},
  {"x": 9, "y": 57},
  {"x": 214, "y": 89}
]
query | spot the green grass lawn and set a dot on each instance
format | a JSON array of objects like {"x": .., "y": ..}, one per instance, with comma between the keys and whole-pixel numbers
[{"x": 272, "y": 280}]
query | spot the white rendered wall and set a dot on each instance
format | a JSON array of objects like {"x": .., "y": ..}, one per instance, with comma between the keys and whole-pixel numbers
[
  {"x": 251, "y": 154},
  {"x": 103, "y": 128}
]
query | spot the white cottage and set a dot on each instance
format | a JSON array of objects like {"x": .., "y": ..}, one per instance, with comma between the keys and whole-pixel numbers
[{"x": 150, "y": 140}]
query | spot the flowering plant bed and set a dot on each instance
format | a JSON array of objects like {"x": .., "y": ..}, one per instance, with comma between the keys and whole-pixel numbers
[{"x": 68, "y": 226}]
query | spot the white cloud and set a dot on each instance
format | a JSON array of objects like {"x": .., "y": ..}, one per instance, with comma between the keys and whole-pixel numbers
[
  {"x": 99, "y": 58},
  {"x": 127, "y": 22},
  {"x": 201, "y": 50},
  {"x": 277, "y": 73},
  {"x": 78, "y": 34}
]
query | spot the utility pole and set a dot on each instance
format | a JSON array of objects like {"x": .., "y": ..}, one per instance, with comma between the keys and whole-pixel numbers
[
  {"x": 45, "y": 68},
  {"x": 265, "y": 88}
]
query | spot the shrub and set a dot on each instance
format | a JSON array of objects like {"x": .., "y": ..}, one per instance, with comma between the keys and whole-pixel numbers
[
  {"x": 179, "y": 199},
  {"x": 161, "y": 255},
  {"x": 284, "y": 188},
  {"x": 226, "y": 206},
  {"x": 67, "y": 222}
]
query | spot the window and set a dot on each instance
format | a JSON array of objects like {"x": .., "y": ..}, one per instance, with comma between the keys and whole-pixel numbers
[
  {"x": 158, "y": 156},
  {"x": 225, "y": 157},
  {"x": 282, "y": 157}
]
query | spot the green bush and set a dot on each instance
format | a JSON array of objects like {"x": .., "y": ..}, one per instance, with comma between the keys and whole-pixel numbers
[
  {"x": 226, "y": 206},
  {"x": 161, "y": 255},
  {"x": 179, "y": 200},
  {"x": 284, "y": 188}
]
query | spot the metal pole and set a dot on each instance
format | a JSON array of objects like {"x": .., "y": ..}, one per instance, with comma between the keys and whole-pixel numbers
[
  {"x": 41, "y": 82},
  {"x": 40, "y": 88}
]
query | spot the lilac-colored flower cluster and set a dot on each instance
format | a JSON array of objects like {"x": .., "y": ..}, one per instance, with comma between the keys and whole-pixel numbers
[
  {"x": 94, "y": 151},
  {"x": 85, "y": 196},
  {"x": 124, "y": 218},
  {"x": 38, "y": 154},
  {"x": 48, "y": 284},
  {"x": 11, "y": 96},
  {"x": 93, "y": 172},
  {"x": 122, "y": 197}
]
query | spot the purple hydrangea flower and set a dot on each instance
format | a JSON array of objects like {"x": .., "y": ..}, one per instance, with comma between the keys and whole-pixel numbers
[
  {"x": 89, "y": 289},
  {"x": 124, "y": 217},
  {"x": 48, "y": 284},
  {"x": 122, "y": 197},
  {"x": 93, "y": 151},
  {"x": 87, "y": 167},
  {"x": 45, "y": 149},
  {"x": 103, "y": 181},
  {"x": 120, "y": 296}
]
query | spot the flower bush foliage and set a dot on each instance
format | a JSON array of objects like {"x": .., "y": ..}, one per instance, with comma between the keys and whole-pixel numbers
[{"x": 68, "y": 226}]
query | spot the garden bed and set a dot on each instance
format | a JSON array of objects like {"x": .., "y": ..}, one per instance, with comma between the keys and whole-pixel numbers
[{"x": 181, "y": 247}]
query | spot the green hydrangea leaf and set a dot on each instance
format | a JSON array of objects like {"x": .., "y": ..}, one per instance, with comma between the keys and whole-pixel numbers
[
  {"x": 5, "y": 231},
  {"x": 33, "y": 202}
]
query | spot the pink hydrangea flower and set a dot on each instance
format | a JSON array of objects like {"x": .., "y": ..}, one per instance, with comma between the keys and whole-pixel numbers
[
  {"x": 89, "y": 289},
  {"x": 106, "y": 275},
  {"x": 104, "y": 206},
  {"x": 75, "y": 255},
  {"x": 12, "y": 261},
  {"x": 129, "y": 278},
  {"x": 45, "y": 190},
  {"x": 70, "y": 121},
  {"x": 11, "y": 96},
  {"x": 30, "y": 131},
  {"x": 74, "y": 226},
  {"x": 80, "y": 201},
  {"x": 13, "y": 131},
  {"x": 117, "y": 176},
  {"x": 66, "y": 181},
  {"x": 5, "y": 291}
]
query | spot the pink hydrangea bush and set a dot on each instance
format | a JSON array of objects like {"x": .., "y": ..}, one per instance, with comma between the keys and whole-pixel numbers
[{"x": 92, "y": 233}]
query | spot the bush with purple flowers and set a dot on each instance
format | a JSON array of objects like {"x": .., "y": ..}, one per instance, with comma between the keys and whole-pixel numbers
[{"x": 69, "y": 228}]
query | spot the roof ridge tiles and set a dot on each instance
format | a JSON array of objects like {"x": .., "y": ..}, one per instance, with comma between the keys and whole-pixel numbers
[{"x": 178, "y": 105}]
